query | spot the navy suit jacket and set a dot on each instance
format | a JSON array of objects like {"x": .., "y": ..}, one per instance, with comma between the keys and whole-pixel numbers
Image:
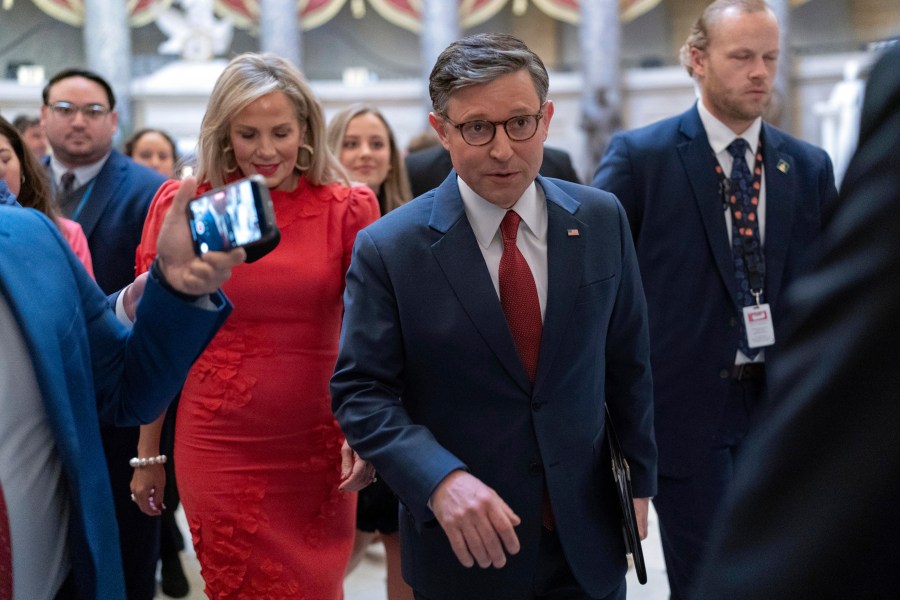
[
  {"x": 428, "y": 381},
  {"x": 113, "y": 217},
  {"x": 86, "y": 363},
  {"x": 664, "y": 176},
  {"x": 813, "y": 512}
]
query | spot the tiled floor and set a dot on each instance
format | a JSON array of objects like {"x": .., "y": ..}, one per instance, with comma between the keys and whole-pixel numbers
[{"x": 367, "y": 581}]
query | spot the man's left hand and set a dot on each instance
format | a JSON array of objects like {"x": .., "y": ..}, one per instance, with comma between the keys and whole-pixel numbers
[
  {"x": 641, "y": 508},
  {"x": 182, "y": 268}
]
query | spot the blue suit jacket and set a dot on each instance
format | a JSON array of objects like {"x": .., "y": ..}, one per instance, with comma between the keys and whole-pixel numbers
[
  {"x": 113, "y": 217},
  {"x": 428, "y": 381},
  {"x": 86, "y": 364},
  {"x": 664, "y": 176}
]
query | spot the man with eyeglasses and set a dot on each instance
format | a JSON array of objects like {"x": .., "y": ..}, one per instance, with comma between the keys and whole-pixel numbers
[
  {"x": 488, "y": 323},
  {"x": 109, "y": 195}
]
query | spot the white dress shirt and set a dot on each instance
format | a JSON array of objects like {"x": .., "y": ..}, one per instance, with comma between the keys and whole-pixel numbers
[
  {"x": 720, "y": 137},
  {"x": 531, "y": 240}
]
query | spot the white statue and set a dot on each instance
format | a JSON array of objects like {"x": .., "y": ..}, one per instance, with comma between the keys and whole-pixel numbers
[
  {"x": 194, "y": 33},
  {"x": 840, "y": 118}
]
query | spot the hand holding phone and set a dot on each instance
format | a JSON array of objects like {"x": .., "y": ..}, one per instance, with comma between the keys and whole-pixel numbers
[{"x": 239, "y": 214}]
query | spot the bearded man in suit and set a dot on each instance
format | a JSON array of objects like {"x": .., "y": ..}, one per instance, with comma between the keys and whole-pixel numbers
[{"x": 723, "y": 208}]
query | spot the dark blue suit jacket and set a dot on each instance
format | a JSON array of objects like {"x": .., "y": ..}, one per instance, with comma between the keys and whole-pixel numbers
[
  {"x": 664, "y": 176},
  {"x": 113, "y": 217},
  {"x": 428, "y": 380},
  {"x": 87, "y": 363}
]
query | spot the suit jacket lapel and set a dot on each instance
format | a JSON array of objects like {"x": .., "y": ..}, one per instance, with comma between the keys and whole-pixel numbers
[
  {"x": 699, "y": 165},
  {"x": 102, "y": 191},
  {"x": 779, "y": 208},
  {"x": 565, "y": 260},
  {"x": 460, "y": 258}
]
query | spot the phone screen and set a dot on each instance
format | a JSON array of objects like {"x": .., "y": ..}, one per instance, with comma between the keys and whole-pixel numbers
[{"x": 238, "y": 214}]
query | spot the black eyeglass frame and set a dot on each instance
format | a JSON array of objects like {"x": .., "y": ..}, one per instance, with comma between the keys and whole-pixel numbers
[
  {"x": 67, "y": 110},
  {"x": 537, "y": 116}
]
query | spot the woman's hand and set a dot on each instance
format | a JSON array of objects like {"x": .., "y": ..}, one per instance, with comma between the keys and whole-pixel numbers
[
  {"x": 355, "y": 472},
  {"x": 147, "y": 487}
]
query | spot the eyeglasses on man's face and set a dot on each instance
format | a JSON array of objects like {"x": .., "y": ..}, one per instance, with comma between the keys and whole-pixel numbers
[
  {"x": 67, "y": 110},
  {"x": 480, "y": 132}
]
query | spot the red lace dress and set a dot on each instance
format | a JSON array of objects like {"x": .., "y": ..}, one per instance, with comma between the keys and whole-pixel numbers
[{"x": 258, "y": 449}]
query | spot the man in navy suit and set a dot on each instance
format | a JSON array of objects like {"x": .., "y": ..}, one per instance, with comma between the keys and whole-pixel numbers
[
  {"x": 475, "y": 364},
  {"x": 108, "y": 194},
  {"x": 721, "y": 227},
  {"x": 66, "y": 360},
  {"x": 813, "y": 513}
]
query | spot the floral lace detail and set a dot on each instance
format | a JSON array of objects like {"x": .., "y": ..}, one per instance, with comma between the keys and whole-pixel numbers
[
  {"x": 224, "y": 544},
  {"x": 218, "y": 373},
  {"x": 330, "y": 439}
]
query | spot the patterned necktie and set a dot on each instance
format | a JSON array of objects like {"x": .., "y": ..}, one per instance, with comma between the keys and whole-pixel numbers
[
  {"x": 67, "y": 181},
  {"x": 5, "y": 552},
  {"x": 745, "y": 245},
  {"x": 518, "y": 296}
]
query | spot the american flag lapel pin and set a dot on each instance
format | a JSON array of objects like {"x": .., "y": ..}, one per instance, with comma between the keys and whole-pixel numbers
[{"x": 572, "y": 232}]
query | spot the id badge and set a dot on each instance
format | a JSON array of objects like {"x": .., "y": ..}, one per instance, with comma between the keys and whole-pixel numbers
[{"x": 758, "y": 323}]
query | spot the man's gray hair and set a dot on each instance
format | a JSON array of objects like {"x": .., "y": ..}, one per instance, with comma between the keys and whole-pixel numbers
[{"x": 482, "y": 58}]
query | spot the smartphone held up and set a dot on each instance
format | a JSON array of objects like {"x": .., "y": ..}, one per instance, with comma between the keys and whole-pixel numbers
[{"x": 238, "y": 214}]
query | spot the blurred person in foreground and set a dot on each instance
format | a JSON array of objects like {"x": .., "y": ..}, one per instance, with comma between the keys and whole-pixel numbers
[
  {"x": 723, "y": 208},
  {"x": 813, "y": 513},
  {"x": 262, "y": 466},
  {"x": 28, "y": 182},
  {"x": 488, "y": 323},
  {"x": 67, "y": 360},
  {"x": 363, "y": 141}
]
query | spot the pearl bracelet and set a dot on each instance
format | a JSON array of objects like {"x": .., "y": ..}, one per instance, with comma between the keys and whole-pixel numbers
[{"x": 146, "y": 462}]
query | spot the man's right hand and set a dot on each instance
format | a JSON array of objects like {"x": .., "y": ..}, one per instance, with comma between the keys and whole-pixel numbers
[{"x": 477, "y": 521}]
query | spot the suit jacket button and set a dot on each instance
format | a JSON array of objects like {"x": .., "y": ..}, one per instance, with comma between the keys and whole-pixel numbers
[
  {"x": 733, "y": 322},
  {"x": 536, "y": 406},
  {"x": 534, "y": 469},
  {"x": 724, "y": 374}
]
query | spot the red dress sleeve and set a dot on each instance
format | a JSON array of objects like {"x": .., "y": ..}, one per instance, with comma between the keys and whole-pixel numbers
[{"x": 362, "y": 210}]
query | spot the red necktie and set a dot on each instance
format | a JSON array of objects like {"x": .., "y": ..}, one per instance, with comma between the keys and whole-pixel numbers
[
  {"x": 6, "y": 573},
  {"x": 518, "y": 296}
]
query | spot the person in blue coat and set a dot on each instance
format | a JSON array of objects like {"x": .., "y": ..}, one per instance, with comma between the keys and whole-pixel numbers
[
  {"x": 489, "y": 421},
  {"x": 68, "y": 360},
  {"x": 711, "y": 266}
]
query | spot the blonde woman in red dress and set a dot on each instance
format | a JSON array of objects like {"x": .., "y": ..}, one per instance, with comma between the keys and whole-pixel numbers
[{"x": 259, "y": 455}]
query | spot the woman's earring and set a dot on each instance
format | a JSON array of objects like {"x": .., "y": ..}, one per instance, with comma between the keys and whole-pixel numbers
[
  {"x": 230, "y": 164},
  {"x": 309, "y": 149}
]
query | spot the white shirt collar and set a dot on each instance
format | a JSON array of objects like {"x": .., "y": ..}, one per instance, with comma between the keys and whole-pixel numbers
[
  {"x": 83, "y": 174},
  {"x": 720, "y": 135},
  {"x": 485, "y": 217}
]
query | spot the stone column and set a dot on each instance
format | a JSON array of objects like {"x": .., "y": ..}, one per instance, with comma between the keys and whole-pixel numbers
[
  {"x": 440, "y": 28},
  {"x": 279, "y": 29},
  {"x": 781, "y": 113},
  {"x": 107, "y": 44},
  {"x": 601, "y": 96}
]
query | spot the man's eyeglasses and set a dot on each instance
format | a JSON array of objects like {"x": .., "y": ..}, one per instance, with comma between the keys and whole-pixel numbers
[
  {"x": 67, "y": 110},
  {"x": 479, "y": 133}
]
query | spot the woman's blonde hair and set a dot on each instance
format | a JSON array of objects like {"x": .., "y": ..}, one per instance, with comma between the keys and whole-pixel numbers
[
  {"x": 395, "y": 190},
  {"x": 247, "y": 78}
]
